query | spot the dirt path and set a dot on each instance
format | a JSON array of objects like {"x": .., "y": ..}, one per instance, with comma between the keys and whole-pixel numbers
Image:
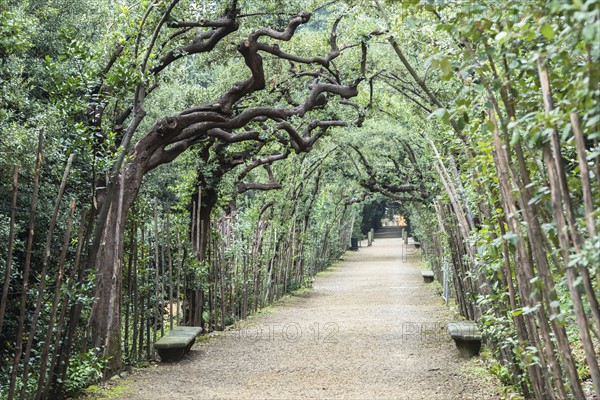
[{"x": 370, "y": 329}]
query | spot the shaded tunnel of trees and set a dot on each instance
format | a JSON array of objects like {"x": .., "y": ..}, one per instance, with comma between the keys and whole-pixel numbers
[{"x": 179, "y": 162}]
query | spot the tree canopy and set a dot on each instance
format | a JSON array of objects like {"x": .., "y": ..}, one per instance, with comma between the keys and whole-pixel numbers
[{"x": 220, "y": 153}]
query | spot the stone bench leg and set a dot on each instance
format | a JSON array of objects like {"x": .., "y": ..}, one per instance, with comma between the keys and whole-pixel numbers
[
  {"x": 468, "y": 348},
  {"x": 171, "y": 355},
  {"x": 189, "y": 346}
]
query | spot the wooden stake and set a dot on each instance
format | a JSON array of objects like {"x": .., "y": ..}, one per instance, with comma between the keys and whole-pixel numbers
[
  {"x": 193, "y": 228},
  {"x": 126, "y": 301},
  {"x": 11, "y": 242},
  {"x": 143, "y": 283},
  {"x": 162, "y": 280},
  {"x": 170, "y": 280},
  {"x": 540, "y": 382},
  {"x": 136, "y": 315},
  {"x": 179, "y": 265},
  {"x": 567, "y": 232},
  {"x": 586, "y": 186},
  {"x": 43, "y": 276},
  {"x": 157, "y": 315},
  {"x": 64, "y": 348},
  {"x": 52, "y": 318}
]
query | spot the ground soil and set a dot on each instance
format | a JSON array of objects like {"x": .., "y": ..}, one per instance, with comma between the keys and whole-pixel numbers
[{"x": 369, "y": 329}]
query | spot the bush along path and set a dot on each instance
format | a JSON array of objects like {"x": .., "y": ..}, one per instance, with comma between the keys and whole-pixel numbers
[{"x": 370, "y": 328}]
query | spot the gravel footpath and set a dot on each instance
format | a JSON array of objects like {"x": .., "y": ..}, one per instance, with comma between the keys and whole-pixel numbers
[{"x": 370, "y": 329}]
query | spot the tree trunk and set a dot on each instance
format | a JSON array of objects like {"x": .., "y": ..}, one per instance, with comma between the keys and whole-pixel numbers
[
  {"x": 105, "y": 320},
  {"x": 200, "y": 234}
]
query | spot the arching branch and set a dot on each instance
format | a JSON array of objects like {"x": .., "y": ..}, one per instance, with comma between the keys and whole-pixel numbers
[
  {"x": 358, "y": 199},
  {"x": 202, "y": 42},
  {"x": 266, "y": 163},
  {"x": 376, "y": 184},
  {"x": 301, "y": 143}
]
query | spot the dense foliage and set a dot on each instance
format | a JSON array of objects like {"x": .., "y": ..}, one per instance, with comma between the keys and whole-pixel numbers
[{"x": 219, "y": 154}]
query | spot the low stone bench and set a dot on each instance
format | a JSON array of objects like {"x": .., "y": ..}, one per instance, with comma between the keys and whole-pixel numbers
[
  {"x": 427, "y": 276},
  {"x": 175, "y": 344},
  {"x": 466, "y": 336}
]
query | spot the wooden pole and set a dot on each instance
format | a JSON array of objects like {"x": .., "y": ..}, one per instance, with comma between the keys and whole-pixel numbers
[
  {"x": 584, "y": 173},
  {"x": 170, "y": 280},
  {"x": 588, "y": 202},
  {"x": 136, "y": 315},
  {"x": 198, "y": 304},
  {"x": 157, "y": 314},
  {"x": 52, "y": 318},
  {"x": 179, "y": 265},
  {"x": 524, "y": 270},
  {"x": 58, "y": 346},
  {"x": 143, "y": 284},
  {"x": 43, "y": 277},
  {"x": 11, "y": 242},
  {"x": 567, "y": 232},
  {"x": 535, "y": 235},
  {"x": 245, "y": 260},
  {"x": 221, "y": 270},
  {"x": 126, "y": 301},
  {"x": 162, "y": 279},
  {"x": 80, "y": 272},
  {"x": 200, "y": 239},
  {"x": 148, "y": 307}
]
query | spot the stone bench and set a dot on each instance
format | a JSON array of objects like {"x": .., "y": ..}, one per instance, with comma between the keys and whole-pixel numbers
[
  {"x": 175, "y": 344},
  {"x": 466, "y": 336},
  {"x": 427, "y": 276}
]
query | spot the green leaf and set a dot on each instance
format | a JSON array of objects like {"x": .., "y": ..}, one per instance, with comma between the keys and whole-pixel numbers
[
  {"x": 589, "y": 33},
  {"x": 593, "y": 121},
  {"x": 511, "y": 237},
  {"x": 547, "y": 31},
  {"x": 410, "y": 22},
  {"x": 516, "y": 138},
  {"x": 440, "y": 112},
  {"x": 529, "y": 310},
  {"x": 501, "y": 36},
  {"x": 446, "y": 67}
]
